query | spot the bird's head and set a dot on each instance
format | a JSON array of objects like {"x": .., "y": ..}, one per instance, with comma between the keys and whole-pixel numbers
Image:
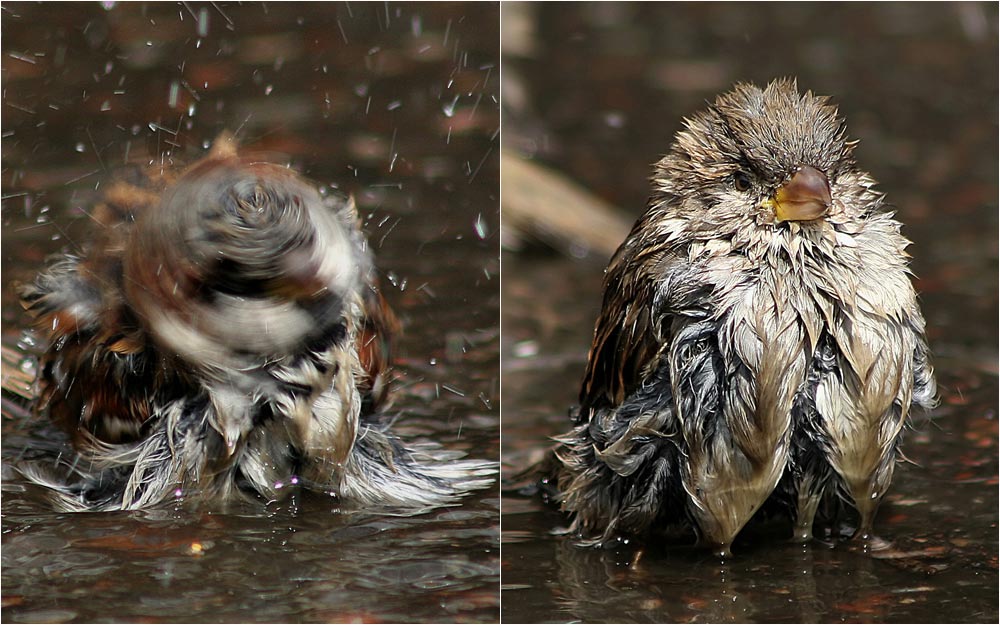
[
  {"x": 761, "y": 158},
  {"x": 242, "y": 260}
]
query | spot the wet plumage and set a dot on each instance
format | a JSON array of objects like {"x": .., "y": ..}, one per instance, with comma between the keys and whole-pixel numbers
[
  {"x": 759, "y": 338},
  {"x": 224, "y": 337}
]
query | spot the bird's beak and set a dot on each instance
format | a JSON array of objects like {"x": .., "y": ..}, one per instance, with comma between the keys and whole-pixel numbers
[{"x": 803, "y": 198}]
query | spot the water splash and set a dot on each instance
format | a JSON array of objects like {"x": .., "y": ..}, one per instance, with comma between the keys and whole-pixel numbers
[{"x": 172, "y": 94}]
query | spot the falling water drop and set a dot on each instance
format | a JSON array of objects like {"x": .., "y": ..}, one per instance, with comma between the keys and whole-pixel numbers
[
  {"x": 482, "y": 229},
  {"x": 449, "y": 109},
  {"x": 203, "y": 22},
  {"x": 172, "y": 94}
]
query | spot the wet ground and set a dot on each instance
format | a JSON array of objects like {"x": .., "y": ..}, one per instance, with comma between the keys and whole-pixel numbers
[
  {"x": 398, "y": 104},
  {"x": 600, "y": 89}
]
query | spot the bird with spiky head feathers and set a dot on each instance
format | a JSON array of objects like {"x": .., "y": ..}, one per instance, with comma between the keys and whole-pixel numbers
[{"x": 760, "y": 338}]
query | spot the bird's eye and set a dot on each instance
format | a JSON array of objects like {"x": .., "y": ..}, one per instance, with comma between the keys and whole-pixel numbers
[{"x": 741, "y": 180}]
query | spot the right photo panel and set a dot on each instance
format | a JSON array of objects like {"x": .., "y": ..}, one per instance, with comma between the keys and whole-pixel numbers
[{"x": 749, "y": 312}]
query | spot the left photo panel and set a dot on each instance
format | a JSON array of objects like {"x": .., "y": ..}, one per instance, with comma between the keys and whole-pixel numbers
[{"x": 251, "y": 312}]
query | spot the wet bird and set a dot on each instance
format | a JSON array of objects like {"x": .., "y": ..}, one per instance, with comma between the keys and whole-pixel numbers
[
  {"x": 223, "y": 338},
  {"x": 760, "y": 340}
]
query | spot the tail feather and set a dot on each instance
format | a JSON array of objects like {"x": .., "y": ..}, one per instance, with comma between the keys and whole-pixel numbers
[
  {"x": 171, "y": 465},
  {"x": 385, "y": 474}
]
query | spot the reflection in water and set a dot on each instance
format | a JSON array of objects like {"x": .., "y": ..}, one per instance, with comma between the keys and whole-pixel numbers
[
  {"x": 793, "y": 583},
  {"x": 299, "y": 561}
]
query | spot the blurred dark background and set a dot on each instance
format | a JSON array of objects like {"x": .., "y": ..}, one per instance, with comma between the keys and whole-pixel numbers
[{"x": 595, "y": 92}]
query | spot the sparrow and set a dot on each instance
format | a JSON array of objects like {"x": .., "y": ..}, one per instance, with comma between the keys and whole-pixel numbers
[
  {"x": 760, "y": 340},
  {"x": 224, "y": 337}
]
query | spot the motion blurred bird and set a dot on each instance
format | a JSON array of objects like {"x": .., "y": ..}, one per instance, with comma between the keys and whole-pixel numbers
[
  {"x": 759, "y": 337},
  {"x": 224, "y": 337}
]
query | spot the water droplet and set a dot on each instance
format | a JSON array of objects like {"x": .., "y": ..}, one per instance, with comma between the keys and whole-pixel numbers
[
  {"x": 449, "y": 109},
  {"x": 27, "y": 341},
  {"x": 526, "y": 349},
  {"x": 172, "y": 94},
  {"x": 203, "y": 19},
  {"x": 268, "y": 89},
  {"x": 80, "y": 147},
  {"x": 615, "y": 119},
  {"x": 482, "y": 229},
  {"x": 395, "y": 104}
]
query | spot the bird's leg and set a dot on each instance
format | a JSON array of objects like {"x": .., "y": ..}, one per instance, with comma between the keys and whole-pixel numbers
[
  {"x": 712, "y": 536},
  {"x": 719, "y": 549},
  {"x": 812, "y": 484},
  {"x": 866, "y": 500},
  {"x": 722, "y": 551},
  {"x": 808, "y": 504},
  {"x": 867, "y": 505},
  {"x": 718, "y": 533}
]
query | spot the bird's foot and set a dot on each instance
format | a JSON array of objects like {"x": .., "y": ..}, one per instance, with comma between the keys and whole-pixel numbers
[{"x": 864, "y": 541}]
